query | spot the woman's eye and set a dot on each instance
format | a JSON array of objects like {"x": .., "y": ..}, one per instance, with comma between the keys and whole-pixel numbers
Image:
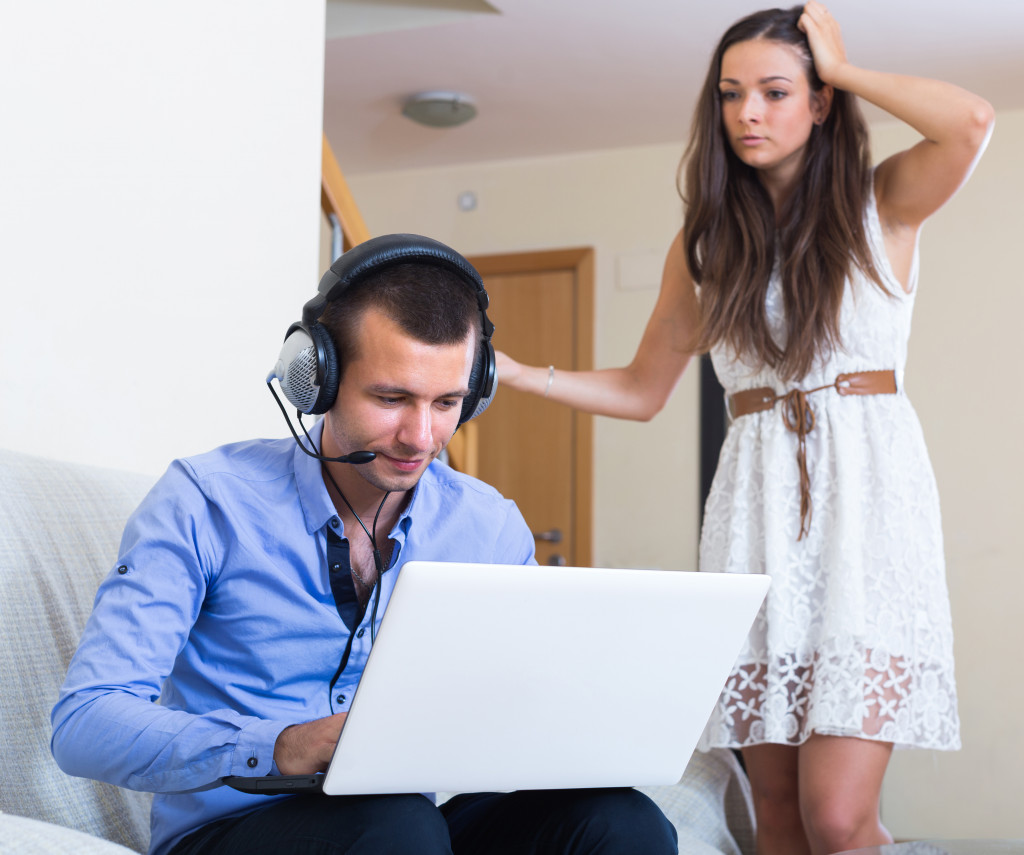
[
  {"x": 729, "y": 95},
  {"x": 776, "y": 94}
]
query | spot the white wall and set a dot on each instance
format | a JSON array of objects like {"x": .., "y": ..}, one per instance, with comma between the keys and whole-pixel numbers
[
  {"x": 961, "y": 376},
  {"x": 962, "y": 372},
  {"x": 160, "y": 171}
]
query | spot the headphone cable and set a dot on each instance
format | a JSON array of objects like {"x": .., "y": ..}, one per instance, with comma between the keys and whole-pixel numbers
[{"x": 378, "y": 562}]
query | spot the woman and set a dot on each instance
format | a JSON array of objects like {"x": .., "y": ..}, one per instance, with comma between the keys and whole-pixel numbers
[{"x": 796, "y": 268}]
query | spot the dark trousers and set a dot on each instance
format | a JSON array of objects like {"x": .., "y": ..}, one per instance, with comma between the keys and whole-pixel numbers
[{"x": 535, "y": 822}]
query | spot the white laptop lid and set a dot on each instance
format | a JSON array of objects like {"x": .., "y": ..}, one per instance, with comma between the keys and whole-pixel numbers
[{"x": 506, "y": 677}]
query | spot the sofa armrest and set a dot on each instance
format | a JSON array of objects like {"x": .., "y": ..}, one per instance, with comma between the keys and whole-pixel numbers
[
  {"x": 711, "y": 807},
  {"x": 60, "y": 525},
  {"x": 20, "y": 835}
]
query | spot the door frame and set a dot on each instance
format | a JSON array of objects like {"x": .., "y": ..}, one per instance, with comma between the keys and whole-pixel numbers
[{"x": 579, "y": 261}]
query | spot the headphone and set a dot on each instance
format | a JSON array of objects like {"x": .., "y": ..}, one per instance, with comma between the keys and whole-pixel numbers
[{"x": 307, "y": 367}]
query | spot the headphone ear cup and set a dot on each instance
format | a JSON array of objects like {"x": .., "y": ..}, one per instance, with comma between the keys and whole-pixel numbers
[
  {"x": 296, "y": 368},
  {"x": 328, "y": 370},
  {"x": 307, "y": 369},
  {"x": 483, "y": 384}
]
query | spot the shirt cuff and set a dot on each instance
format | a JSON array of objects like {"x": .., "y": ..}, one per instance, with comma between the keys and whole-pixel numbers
[{"x": 254, "y": 749}]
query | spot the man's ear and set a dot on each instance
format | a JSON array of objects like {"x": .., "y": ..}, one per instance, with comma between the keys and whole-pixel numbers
[{"x": 821, "y": 103}]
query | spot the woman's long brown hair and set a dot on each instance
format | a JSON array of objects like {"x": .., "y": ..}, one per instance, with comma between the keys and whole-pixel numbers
[{"x": 732, "y": 236}]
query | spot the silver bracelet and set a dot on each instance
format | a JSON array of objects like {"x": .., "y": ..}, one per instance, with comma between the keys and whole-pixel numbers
[{"x": 551, "y": 379}]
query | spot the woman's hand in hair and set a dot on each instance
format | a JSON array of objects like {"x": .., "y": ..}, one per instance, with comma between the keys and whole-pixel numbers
[{"x": 825, "y": 39}]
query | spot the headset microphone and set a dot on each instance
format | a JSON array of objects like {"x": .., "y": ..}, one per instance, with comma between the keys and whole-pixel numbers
[{"x": 355, "y": 458}]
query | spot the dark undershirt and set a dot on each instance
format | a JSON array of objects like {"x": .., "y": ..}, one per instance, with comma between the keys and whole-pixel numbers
[{"x": 342, "y": 584}]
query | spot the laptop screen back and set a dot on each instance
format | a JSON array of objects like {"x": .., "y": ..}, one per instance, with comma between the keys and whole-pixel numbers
[{"x": 502, "y": 677}]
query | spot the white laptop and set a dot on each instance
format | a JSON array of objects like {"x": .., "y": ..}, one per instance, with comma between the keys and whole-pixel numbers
[{"x": 506, "y": 677}]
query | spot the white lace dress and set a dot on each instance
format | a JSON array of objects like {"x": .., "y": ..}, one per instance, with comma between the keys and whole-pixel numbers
[{"x": 855, "y": 637}]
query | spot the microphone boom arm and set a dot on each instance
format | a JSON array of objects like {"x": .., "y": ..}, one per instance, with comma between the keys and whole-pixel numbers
[{"x": 355, "y": 458}]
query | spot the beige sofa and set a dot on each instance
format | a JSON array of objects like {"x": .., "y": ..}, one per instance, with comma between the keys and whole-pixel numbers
[{"x": 60, "y": 524}]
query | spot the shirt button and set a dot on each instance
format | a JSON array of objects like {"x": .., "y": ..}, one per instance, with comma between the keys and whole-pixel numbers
[
  {"x": 340, "y": 699},
  {"x": 122, "y": 569},
  {"x": 252, "y": 762},
  {"x": 361, "y": 633},
  {"x": 335, "y": 522}
]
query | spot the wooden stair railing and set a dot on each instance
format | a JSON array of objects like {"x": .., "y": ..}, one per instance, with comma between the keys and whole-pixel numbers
[
  {"x": 336, "y": 198},
  {"x": 463, "y": 450}
]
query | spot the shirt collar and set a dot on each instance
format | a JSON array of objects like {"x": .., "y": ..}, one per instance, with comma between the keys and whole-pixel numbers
[{"x": 317, "y": 508}]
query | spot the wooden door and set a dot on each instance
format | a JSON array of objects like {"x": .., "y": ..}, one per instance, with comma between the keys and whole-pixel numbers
[{"x": 534, "y": 451}]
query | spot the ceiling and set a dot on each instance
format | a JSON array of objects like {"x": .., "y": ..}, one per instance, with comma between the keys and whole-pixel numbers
[{"x": 552, "y": 77}]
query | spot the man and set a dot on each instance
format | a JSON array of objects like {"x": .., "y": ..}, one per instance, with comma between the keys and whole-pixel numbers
[{"x": 247, "y": 589}]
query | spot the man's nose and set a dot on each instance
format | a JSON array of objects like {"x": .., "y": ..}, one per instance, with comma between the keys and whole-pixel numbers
[{"x": 415, "y": 430}]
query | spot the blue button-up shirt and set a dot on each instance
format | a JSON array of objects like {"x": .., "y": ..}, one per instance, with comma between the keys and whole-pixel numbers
[{"x": 220, "y": 605}]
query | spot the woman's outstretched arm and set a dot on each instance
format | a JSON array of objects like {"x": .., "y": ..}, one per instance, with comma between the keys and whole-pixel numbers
[{"x": 639, "y": 390}]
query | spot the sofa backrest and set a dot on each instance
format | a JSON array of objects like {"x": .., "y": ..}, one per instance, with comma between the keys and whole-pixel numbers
[{"x": 60, "y": 526}]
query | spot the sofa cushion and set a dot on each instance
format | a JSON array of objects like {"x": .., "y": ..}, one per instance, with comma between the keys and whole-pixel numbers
[{"x": 60, "y": 526}]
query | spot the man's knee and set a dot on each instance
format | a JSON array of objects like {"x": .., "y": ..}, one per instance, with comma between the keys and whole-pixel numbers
[
  {"x": 406, "y": 824},
  {"x": 623, "y": 822}
]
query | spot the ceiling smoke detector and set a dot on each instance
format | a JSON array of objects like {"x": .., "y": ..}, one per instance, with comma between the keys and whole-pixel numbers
[{"x": 440, "y": 109}]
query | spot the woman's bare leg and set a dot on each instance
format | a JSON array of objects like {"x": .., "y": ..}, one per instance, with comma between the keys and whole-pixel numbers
[
  {"x": 772, "y": 770},
  {"x": 840, "y": 785}
]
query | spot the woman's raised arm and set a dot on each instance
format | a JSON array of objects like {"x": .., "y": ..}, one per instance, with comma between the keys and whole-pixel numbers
[{"x": 955, "y": 124}]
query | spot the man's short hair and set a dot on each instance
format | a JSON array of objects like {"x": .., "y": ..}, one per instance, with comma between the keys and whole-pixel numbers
[{"x": 428, "y": 303}]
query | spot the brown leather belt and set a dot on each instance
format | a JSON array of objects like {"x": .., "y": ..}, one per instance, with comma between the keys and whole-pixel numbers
[{"x": 798, "y": 416}]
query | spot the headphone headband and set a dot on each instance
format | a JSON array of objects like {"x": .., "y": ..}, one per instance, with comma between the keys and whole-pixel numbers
[
  {"x": 308, "y": 368},
  {"x": 379, "y": 253}
]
